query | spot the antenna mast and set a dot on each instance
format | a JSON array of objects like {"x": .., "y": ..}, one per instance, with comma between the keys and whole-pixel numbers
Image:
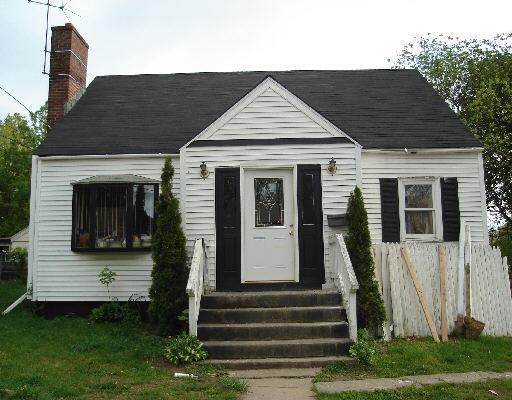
[{"x": 63, "y": 8}]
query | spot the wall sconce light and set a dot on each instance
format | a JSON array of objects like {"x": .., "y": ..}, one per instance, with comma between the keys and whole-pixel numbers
[
  {"x": 204, "y": 170},
  {"x": 332, "y": 166}
]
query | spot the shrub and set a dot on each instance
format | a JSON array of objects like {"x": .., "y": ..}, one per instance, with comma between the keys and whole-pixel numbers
[
  {"x": 364, "y": 350},
  {"x": 170, "y": 272},
  {"x": 370, "y": 306},
  {"x": 19, "y": 257},
  {"x": 184, "y": 349},
  {"x": 115, "y": 311}
]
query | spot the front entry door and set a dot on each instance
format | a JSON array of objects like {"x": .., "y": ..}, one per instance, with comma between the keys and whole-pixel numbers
[{"x": 269, "y": 244}]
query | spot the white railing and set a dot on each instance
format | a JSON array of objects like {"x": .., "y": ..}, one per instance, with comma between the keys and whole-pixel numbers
[
  {"x": 195, "y": 285},
  {"x": 345, "y": 282}
]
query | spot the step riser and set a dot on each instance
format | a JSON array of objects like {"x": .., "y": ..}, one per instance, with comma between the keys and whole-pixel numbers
[
  {"x": 271, "y": 350},
  {"x": 271, "y": 332},
  {"x": 273, "y": 363},
  {"x": 271, "y": 300},
  {"x": 243, "y": 316}
]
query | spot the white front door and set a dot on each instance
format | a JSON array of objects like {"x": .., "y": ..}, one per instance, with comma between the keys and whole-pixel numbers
[{"x": 269, "y": 245}]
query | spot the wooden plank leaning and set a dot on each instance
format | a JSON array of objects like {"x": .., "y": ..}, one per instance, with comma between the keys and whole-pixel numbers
[
  {"x": 421, "y": 296},
  {"x": 442, "y": 292}
]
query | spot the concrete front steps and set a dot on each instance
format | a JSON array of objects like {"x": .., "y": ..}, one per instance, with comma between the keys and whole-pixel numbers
[{"x": 281, "y": 329}]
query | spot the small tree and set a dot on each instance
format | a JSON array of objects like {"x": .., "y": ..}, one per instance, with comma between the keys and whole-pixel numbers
[
  {"x": 370, "y": 307},
  {"x": 167, "y": 292},
  {"x": 107, "y": 277}
]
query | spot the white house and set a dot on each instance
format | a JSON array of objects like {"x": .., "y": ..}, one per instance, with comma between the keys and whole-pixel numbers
[{"x": 265, "y": 162}]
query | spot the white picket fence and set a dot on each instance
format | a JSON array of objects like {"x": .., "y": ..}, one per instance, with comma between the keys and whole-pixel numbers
[{"x": 491, "y": 299}]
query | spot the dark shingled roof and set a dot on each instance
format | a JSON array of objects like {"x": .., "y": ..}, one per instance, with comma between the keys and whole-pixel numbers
[{"x": 160, "y": 113}]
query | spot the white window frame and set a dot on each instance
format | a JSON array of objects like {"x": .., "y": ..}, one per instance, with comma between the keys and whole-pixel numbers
[{"x": 437, "y": 209}]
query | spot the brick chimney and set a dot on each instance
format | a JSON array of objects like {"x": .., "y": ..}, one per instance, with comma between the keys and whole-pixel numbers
[{"x": 68, "y": 69}]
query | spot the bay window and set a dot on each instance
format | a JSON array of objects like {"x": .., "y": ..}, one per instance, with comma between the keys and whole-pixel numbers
[{"x": 113, "y": 216}]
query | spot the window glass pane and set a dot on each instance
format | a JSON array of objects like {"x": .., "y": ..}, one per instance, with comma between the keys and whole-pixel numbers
[
  {"x": 269, "y": 202},
  {"x": 418, "y": 196},
  {"x": 308, "y": 200},
  {"x": 229, "y": 202},
  {"x": 82, "y": 232},
  {"x": 419, "y": 222},
  {"x": 111, "y": 207},
  {"x": 143, "y": 215}
]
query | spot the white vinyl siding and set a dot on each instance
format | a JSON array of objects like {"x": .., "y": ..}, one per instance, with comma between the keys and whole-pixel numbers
[
  {"x": 63, "y": 275},
  {"x": 463, "y": 165},
  {"x": 270, "y": 116},
  {"x": 199, "y": 206}
]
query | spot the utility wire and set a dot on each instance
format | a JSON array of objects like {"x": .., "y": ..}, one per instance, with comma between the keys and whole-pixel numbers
[
  {"x": 17, "y": 101},
  {"x": 25, "y": 107}
]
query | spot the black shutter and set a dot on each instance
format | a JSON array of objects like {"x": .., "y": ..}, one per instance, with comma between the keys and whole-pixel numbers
[
  {"x": 451, "y": 212},
  {"x": 390, "y": 214},
  {"x": 227, "y": 223},
  {"x": 310, "y": 229}
]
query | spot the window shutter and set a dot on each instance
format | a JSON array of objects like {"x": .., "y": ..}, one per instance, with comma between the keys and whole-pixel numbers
[
  {"x": 390, "y": 214},
  {"x": 450, "y": 213}
]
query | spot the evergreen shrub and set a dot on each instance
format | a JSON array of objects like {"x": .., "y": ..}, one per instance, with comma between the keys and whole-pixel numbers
[
  {"x": 370, "y": 306},
  {"x": 170, "y": 272}
]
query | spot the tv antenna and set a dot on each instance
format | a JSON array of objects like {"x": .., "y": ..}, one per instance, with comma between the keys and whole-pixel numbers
[{"x": 63, "y": 7}]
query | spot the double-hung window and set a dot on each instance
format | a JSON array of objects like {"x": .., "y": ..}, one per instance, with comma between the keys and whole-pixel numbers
[
  {"x": 420, "y": 209},
  {"x": 115, "y": 213}
]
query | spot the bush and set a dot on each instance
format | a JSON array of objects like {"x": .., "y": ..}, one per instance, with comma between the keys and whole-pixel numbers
[
  {"x": 364, "y": 350},
  {"x": 170, "y": 272},
  {"x": 184, "y": 349},
  {"x": 370, "y": 306},
  {"x": 114, "y": 311},
  {"x": 19, "y": 257}
]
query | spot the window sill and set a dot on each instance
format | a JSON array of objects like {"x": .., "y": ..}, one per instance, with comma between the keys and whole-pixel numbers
[
  {"x": 428, "y": 239},
  {"x": 113, "y": 250}
]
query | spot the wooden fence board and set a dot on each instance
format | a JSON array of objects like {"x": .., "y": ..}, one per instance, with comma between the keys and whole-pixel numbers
[{"x": 491, "y": 295}]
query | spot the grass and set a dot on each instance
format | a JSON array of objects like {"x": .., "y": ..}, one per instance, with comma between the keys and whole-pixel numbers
[
  {"x": 70, "y": 357},
  {"x": 470, "y": 391},
  {"x": 403, "y": 357}
]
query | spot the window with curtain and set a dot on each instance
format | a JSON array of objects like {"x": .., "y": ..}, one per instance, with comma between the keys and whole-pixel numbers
[
  {"x": 419, "y": 207},
  {"x": 113, "y": 217}
]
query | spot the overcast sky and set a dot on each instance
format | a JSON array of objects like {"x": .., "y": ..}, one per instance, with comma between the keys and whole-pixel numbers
[{"x": 156, "y": 36}]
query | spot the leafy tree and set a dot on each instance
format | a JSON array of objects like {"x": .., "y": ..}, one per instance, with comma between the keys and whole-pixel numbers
[
  {"x": 502, "y": 238},
  {"x": 18, "y": 139},
  {"x": 370, "y": 306},
  {"x": 170, "y": 272},
  {"x": 475, "y": 78}
]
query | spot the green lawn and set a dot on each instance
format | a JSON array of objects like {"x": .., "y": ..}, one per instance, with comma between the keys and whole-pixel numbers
[
  {"x": 423, "y": 356},
  {"x": 70, "y": 357},
  {"x": 472, "y": 391}
]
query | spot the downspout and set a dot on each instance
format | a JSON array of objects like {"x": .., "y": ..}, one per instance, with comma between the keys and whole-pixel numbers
[{"x": 15, "y": 304}]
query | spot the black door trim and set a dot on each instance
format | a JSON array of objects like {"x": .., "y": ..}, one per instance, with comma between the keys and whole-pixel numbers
[
  {"x": 310, "y": 229},
  {"x": 228, "y": 241}
]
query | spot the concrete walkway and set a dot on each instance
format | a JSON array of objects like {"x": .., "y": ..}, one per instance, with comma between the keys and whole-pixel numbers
[
  {"x": 296, "y": 384},
  {"x": 418, "y": 381},
  {"x": 278, "y": 384}
]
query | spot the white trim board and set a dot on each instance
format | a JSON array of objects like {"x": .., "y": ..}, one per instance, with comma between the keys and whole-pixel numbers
[
  {"x": 269, "y": 83},
  {"x": 412, "y": 152},
  {"x": 106, "y": 156}
]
